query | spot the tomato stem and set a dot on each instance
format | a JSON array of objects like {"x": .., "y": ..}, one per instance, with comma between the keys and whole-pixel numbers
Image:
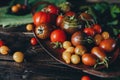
[{"x": 57, "y": 44}]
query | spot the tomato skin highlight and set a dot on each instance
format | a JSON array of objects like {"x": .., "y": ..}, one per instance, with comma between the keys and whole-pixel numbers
[{"x": 58, "y": 35}]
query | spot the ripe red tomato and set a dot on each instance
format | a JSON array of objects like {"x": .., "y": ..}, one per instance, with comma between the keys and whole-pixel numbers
[
  {"x": 41, "y": 17},
  {"x": 89, "y": 31},
  {"x": 108, "y": 45},
  {"x": 59, "y": 20},
  {"x": 97, "y": 28},
  {"x": 1, "y": 43},
  {"x": 33, "y": 41},
  {"x": 58, "y": 35},
  {"x": 70, "y": 13},
  {"x": 52, "y": 9},
  {"x": 89, "y": 59},
  {"x": 85, "y": 78}
]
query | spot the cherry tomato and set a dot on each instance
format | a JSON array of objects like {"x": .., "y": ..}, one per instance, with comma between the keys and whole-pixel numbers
[
  {"x": 29, "y": 27},
  {"x": 1, "y": 43},
  {"x": 59, "y": 20},
  {"x": 14, "y": 9},
  {"x": 66, "y": 57},
  {"x": 52, "y": 9},
  {"x": 105, "y": 35},
  {"x": 108, "y": 45},
  {"x": 70, "y": 13},
  {"x": 89, "y": 31},
  {"x": 67, "y": 44},
  {"x": 80, "y": 50},
  {"x": 97, "y": 51},
  {"x": 98, "y": 38},
  {"x": 75, "y": 59},
  {"x": 85, "y": 77},
  {"x": 58, "y": 35},
  {"x": 4, "y": 50},
  {"x": 43, "y": 31},
  {"x": 89, "y": 59},
  {"x": 18, "y": 57},
  {"x": 77, "y": 38},
  {"x": 33, "y": 41},
  {"x": 97, "y": 28},
  {"x": 85, "y": 16},
  {"x": 41, "y": 17}
]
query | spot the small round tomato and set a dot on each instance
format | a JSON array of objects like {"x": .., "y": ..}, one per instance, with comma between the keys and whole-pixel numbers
[
  {"x": 52, "y": 9},
  {"x": 18, "y": 57},
  {"x": 80, "y": 50},
  {"x": 43, "y": 31},
  {"x": 67, "y": 44},
  {"x": 1, "y": 43},
  {"x": 29, "y": 27},
  {"x": 75, "y": 59},
  {"x": 108, "y": 45},
  {"x": 70, "y": 13},
  {"x": 89, "y": 59},
  {"x": 59, "y": 20},
  {"x": 33, "y": 41},
  {"x": 105, "y": 35},
  {"x": 77, "y": 38},
  {"x": 4, "y": 50},
  {"x": 97, "y": 28},
  {"x": 41, "y": 17},
  {"x": 98, "y": 38},
  {"x": 85, "y": 16},
  {"x": 14, "y": 9},
  {"x": 58, "y": 35},
  {"x": 85, "y": 78},
  {"x": 89, "y": 31}
]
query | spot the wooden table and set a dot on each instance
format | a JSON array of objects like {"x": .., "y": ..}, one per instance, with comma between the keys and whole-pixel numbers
[{"x": 37, "y": 65}]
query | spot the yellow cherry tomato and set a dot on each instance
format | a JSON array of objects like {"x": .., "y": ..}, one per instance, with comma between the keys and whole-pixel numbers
[
  {"x": 14, "y": 9},
  {"x": 18, "y": 57},
  {"x": 29, "y": 27},
  {"x": 4, "y": 50}
]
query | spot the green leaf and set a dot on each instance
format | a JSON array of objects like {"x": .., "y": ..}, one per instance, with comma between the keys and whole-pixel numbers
[{"x": 115, "y": 11}]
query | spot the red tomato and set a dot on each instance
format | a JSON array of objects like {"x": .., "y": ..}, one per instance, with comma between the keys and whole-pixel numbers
[
  {"x": 58, "y": 35},
  {"x": 97, "y": 28},
  {"x": 52, "y": 9},
  {"x": 85, "y": 78},
  {"x": 1, "y": 43},
  {"x": 33, "y": 41},
  {"x": 41, "y": 17},
  {"x": 89, "y": 59},
  {"x": 89, "y": 31},
  {"x": 70, "y": 13},
  {"x": 59, "y": 20}
]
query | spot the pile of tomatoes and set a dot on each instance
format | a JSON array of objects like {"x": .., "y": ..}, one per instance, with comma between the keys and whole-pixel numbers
[{"x": 84, "y": 41}]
